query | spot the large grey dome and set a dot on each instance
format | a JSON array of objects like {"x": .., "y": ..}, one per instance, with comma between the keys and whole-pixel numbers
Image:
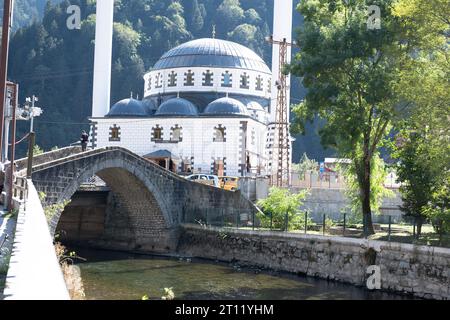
[
  {"x": 226, "y": 106},
  {"x": 177, "y": 107},
  {"x": 212, "y": 53},
  {"x": 128, "y": 108}
]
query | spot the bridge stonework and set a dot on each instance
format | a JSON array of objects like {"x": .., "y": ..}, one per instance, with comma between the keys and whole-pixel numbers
[{"x": 149, "y": 203}]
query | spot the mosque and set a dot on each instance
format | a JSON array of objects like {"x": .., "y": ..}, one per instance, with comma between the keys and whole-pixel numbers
[{"x": 207, "y": 108}]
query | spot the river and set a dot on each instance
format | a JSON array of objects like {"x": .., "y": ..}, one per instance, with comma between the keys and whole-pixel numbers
[{"x": 111, "y": 275}]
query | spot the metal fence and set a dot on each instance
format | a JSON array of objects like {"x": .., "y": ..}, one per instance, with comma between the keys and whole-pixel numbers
[{"x": 346, "y": 226}]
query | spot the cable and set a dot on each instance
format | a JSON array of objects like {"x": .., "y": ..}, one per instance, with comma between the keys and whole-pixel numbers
[{"x": 21, "y": 140}]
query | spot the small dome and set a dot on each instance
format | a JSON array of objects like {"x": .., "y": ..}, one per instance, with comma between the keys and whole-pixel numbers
[
  {"x": 128, "y": 108},
  {"x": 226, "y": 106},
  {"x": 254, "y": 106},
  {"x": 177, "y": 107}
]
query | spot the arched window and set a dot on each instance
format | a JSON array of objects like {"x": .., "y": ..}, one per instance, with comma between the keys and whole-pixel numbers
[
  {"x": 245, "y": 81},
  {"x": 159, "y": 80},
  {"x": 219, "y": 134},
  {"x": 227, "y": 79},
  {"x": 176, "y": 134},
  {"x": 172, "y": 79},
  {"x": 208, "y": 78},
  {"x": 149, "y": 83},
  {"x": 259, "y": 83},
  {"x": 189, "y": 78},
  {"x": 114, "y": 133},
  {"x": 157, "y": 133}
]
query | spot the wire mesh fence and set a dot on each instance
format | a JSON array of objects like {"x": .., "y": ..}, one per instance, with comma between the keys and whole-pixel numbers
[{"x": 407, "y": 230}]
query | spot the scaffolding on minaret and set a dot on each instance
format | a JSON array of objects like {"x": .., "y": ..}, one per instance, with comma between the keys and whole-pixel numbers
[{"x": 282, "y": 139}]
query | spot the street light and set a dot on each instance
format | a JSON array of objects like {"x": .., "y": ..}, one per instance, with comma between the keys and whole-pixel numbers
[{"x": 31, "y": 110}]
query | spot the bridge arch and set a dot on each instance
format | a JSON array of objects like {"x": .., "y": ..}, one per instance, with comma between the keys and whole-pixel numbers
[
  {"x": 144, "y": 192},
  {"x": 154, "y": 200}
]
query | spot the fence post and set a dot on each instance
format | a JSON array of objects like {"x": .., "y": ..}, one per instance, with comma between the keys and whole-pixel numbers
[
  {"x": 323, "y": 225},
  {"x": 414, "y": 229},
  {"x": 253, "y": 221},
  {"x": 306, "y": 221},
  {"x": 345, "y": 223},
  {"x": 389, "y": 230},
  {"x": 271, "y": 220},
  {"x": 286, "y": 222}
]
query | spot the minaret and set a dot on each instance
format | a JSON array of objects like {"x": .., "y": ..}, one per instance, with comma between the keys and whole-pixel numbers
[
  {"x": 103, "y": 56},
  {"x": 282, "y": 29}
]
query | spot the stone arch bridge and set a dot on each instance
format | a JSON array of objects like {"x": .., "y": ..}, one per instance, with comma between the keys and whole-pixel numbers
[{"x": 152, "y": 202}]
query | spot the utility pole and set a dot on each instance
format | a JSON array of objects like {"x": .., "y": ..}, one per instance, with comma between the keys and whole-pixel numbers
[
  {"x": 282, "y": 136},
  {"x": 7, "y": 11},
  {"x": 32, "y": 111},
  {"x": 14, "y": 103}
]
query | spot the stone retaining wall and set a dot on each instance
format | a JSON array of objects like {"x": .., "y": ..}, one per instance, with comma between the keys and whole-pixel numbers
[{"x": 419, "y": 270}]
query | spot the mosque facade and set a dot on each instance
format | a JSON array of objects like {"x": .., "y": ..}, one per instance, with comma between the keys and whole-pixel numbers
[{"x": 206, "y": 107}]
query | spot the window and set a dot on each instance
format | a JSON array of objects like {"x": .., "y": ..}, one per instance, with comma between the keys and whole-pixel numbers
[
  {"x": 114, "y": 133},
  {"x": 219, "y": 134},
  {"x": 245, "y": 82},
  {"x": 189, "y": 78},
  {"x": 269, "y": 86},
  {"x": 149, "y": 84},
  {"x": 208, "y": 78},
  {"x": 219, "y": 168},
  {"x": 172, "y": 79},
  {"x": 157, "y": 133},
  {"x": 158, "y": 80},
  {"x": 259, "y": 83},
  {"x": 176, "y": 134},
  {"x": 186, "y": 166},
  {"x": 227, "y": 78}
]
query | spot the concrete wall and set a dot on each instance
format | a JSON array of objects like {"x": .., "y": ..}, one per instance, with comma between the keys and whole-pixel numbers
[
  {"x": 334, "y": 202},
  {"x": 34, "y": 272},
  {"x": 422, "y": 271}
]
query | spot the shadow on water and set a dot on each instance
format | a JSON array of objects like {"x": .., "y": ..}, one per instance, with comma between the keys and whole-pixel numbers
[{"x": 125, "y": 276}]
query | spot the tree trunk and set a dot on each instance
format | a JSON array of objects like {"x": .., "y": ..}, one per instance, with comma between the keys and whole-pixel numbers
[{"x": 365, "y": 190}]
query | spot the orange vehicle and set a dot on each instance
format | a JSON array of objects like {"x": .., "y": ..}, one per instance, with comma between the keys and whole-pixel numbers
[{"x": 229, "y": 183}]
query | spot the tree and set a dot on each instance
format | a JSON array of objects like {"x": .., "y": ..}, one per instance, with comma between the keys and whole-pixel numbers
[
  {"x": 350, "y": 72},
  {"x": 229, "y": 15},
  {"x": 422, "y": 144},
  {"x": 306, "y": 165},
  {"x": 378, "y": 191},
  {"x": 282, "y": 209}
]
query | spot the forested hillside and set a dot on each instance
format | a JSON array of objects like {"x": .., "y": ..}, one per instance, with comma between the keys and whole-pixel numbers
[{"x": 56, "y": 64}]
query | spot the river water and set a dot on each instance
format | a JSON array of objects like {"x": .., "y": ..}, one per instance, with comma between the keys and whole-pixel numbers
[{"x": 111, "y": 275}]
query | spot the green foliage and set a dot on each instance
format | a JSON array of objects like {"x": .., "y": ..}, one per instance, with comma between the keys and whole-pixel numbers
[
  {"x": 421, "y": 147},
  {"x": 51, "y": 210},
  {"x": 351, "y": 73},
  {"x": 11, "y": 214},
  {"x": 305, "y": 165},
  {"x": 280, "y": 205},
  {"x": 379, "y": 172},
  {"x": 438, "y": 209},
  {"x": 37, "y": 150}
]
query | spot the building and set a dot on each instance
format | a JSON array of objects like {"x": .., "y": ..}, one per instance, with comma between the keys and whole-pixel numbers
[
  {"x": 206, "y": 105},
  {"x": 209, "y": 106}
]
